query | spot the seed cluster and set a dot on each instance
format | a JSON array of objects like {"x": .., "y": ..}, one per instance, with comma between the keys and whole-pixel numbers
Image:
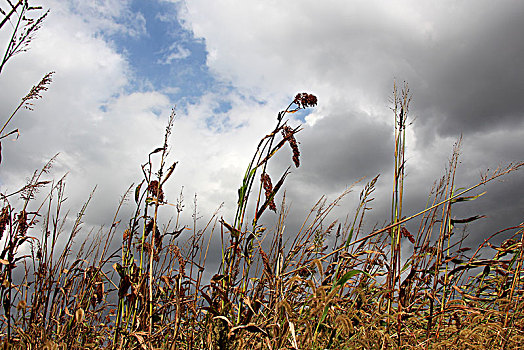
[{"x": 304, "y": 100}]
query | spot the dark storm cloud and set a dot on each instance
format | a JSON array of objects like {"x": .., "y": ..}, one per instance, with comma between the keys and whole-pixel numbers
[
  {"x": 462, "y": 60},
  {"x": 342, "y": 148},
  {"x": 471, "y": 74}
]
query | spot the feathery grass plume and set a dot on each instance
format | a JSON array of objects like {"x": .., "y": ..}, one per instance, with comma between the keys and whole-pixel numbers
[
  {"x": 24, "y": 27},
  {"x": 36, "y": 91},
  {"x": 278, "y": 287},
  {"x": 19, "y": 42},
  {"x": 33, "y": 94}
]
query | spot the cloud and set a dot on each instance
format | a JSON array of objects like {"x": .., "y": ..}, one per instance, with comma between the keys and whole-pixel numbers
[
  {"x": 100, "y": 131},
  {"x": 174, "y": 52},
  {"x": 107, "y": 16},
  {"x": 461, "y": 60}
]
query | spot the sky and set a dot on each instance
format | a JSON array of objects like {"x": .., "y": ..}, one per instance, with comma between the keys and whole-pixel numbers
[{"x": 228, "y": 67}]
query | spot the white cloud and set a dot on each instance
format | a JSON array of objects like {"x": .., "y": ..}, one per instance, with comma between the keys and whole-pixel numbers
[
  {"x": 96, "y": 147},
  {"x": 348, "y": 55},
  {"x": 174, "y": 52},
  {"x": 460, "y": 60},
  {"x": 104, "y": 133},
  {"x": 109, "y": 16}
]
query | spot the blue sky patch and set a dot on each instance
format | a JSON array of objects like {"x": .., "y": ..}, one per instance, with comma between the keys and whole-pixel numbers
[{"x": 167, "y": 57}]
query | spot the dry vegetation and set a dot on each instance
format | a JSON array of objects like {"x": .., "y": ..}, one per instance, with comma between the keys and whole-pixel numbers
[{"x": 326, "y": 285}]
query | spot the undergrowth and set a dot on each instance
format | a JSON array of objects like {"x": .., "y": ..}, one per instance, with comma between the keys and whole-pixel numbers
[{"x": 325, "y": 285}]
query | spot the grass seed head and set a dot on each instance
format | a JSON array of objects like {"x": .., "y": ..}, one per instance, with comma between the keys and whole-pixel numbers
[
  {"x": 268, "y": 187},
  {"x": 79, "y": 315},
  {"x": 4, "y": 220},
  {"x": 289, "y": 135},
  {"x": 304, "y": 100},
  {"x": 22, "y": 223}
]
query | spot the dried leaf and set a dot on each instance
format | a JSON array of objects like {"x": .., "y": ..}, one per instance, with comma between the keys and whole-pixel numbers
[
  {"x": 250, "y": 327},
  {"x": 464, "y": 221},
  {"x": 234, "y": 231},
  {"x": 137, "y": 191},
  {"x": 466, "y": 198},
  {"x": 159, "y": 149},
  {"x": 223, "y": 318},
  {"x": 406, "y": 234}
]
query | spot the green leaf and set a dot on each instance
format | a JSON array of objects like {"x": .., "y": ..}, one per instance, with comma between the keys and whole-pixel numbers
[
  {"x": 234, "y": 232},
  {"x": 241, "y": 194},
  {"x": 118, "y": 268},
  {"x": 350, "y": 236},
  {"x": 243, "y": 190},
  {"x": 342, "y": 280}
]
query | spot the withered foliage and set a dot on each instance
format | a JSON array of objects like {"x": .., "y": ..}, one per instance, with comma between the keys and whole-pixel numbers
[
  {"x": 281, "y": 287},
  {"x": 324, "y": 288},
  {"x": 156, "y": 190}
]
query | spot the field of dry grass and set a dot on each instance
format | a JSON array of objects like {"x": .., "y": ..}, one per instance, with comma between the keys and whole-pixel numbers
[{"x": 327, "y": 285}]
